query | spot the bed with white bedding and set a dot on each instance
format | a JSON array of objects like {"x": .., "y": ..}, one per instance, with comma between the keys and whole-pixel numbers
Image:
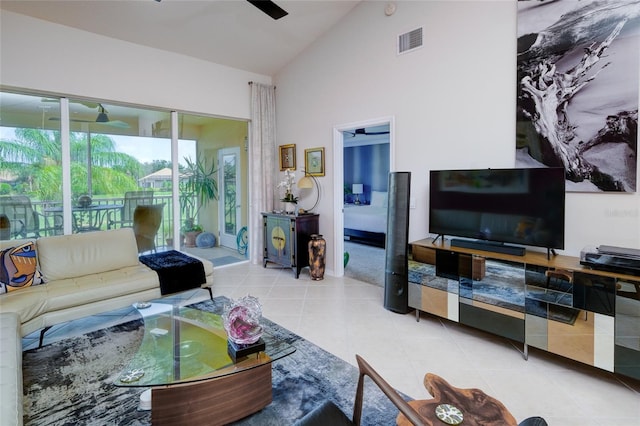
[{"x": 367, "y": 223}]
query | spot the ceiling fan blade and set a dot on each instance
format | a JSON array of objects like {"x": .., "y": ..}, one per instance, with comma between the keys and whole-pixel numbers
[
  {"x": 73, "y": 120},
  {"x": 92, "y": 105},
  {"x": 88, "y": 104},
  {"x": 112, "y": 123},
  {"x": 117, "y": 123},
  {"x": 270, "y": 8}
]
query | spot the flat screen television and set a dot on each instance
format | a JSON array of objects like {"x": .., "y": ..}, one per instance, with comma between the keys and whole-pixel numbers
[{"x": 521, "y": 206}]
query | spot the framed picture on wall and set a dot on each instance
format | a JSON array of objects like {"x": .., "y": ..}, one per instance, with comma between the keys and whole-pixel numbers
[
  {"x": 287, "y": 157},
  {"x": 314, "y": 161}
]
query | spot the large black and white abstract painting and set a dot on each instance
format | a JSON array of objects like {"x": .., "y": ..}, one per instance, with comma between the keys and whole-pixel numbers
[{"x": 577, "y": 97}]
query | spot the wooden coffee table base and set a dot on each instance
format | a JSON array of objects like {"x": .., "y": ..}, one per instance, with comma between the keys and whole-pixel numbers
[{"x": 213, "y": 402}]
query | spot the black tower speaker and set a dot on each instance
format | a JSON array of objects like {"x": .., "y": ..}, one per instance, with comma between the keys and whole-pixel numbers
[{"x": 396, "y": 277}]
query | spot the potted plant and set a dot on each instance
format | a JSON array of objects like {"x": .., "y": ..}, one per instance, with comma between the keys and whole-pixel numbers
[
  {"x": 198, "y": 186},
  {"x": 289, "y": 199},
  {"x": 190, "y": 230},
  {"x": 348, "y": 194}
]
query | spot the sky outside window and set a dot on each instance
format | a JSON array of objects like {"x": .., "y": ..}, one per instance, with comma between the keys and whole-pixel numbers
[{"x": 144, "y": 149}]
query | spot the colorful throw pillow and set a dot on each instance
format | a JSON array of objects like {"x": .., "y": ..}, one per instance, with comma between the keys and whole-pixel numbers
[{"x": 18, "y": 268}]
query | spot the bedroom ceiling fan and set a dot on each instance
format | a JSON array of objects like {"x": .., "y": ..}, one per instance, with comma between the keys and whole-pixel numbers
[{"x": 364, "y": 132}]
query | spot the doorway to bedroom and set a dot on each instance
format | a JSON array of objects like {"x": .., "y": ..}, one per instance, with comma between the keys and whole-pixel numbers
[{"x": 366, "y": 166}]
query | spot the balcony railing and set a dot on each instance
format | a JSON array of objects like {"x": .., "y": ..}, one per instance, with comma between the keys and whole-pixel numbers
[{"x": 104, "y": 213}]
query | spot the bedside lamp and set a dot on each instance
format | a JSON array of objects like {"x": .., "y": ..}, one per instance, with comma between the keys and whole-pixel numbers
[
  {"x": 357, "y": 189},
  {"x": 308, "y": 182}
]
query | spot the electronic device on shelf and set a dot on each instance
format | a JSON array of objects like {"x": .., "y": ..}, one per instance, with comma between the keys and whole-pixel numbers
[
  {"x": 612, "y": 259},
  {"x": 523, "y": 206}
]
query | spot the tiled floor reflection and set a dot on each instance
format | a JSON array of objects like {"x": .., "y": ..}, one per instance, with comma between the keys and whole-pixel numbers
[{"x": 345, "y": 317}]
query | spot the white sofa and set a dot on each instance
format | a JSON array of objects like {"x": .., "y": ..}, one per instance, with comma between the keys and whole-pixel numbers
[{"x": 84, "y": 274}]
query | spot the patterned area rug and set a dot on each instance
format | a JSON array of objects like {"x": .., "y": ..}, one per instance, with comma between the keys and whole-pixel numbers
[{"x": 71, "y": 382}]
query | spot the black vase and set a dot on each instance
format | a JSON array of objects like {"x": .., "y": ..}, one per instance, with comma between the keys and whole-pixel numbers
[{"x": 317, "y": 247}]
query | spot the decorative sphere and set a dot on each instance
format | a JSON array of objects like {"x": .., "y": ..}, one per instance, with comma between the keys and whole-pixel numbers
[{"x": 205, "y": 239}]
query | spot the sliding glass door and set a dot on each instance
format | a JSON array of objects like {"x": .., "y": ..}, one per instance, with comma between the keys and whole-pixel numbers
[{"x": 115, "y": 157}]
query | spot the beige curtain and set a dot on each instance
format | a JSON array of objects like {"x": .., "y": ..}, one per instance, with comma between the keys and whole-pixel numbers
[{"x": 262, "y": 154}]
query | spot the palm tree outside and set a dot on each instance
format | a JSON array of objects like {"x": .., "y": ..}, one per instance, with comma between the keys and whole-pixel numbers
[{"x": 34, "y": 157}]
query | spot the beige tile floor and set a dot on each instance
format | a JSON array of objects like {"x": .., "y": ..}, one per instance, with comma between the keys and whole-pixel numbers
[{"x": 347, "y": 317}]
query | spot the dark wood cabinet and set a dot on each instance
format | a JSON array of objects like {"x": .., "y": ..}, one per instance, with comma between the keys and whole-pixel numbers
[{"x": 286, "y": 239}]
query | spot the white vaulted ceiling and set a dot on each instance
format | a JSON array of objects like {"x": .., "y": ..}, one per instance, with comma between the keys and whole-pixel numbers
[{"x": 227, "y": 32}]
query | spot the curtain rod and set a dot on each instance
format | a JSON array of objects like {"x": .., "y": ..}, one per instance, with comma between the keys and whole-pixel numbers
[{"x": 251, "y": 82}]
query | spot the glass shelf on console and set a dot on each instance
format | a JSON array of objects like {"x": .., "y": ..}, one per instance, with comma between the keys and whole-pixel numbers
[
  {"x": 495, "y": 282},
  {"x": 549, "y": 294},
  {"x": 549, "y": 285},
  {"x": 425, "y": 274}
]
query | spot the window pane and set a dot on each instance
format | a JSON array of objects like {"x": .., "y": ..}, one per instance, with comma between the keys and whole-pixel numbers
[
  {"x": 120, "y": 159},
  {"x": 30, "y": 166}
]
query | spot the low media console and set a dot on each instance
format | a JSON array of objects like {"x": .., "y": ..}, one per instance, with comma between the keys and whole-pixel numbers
[{"x": 551, "y": 303}]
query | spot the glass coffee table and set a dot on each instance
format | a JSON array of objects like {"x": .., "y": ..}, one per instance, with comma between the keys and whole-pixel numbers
[{"x": 183, "y": 358}]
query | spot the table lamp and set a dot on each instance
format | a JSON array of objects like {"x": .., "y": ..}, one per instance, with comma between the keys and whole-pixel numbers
[
  {"x": 307, "y": 182},
  {"x": 357, "y": 190}
]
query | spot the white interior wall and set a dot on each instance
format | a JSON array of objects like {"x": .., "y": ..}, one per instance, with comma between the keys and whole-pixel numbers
[
  {"x": 453, "y": 101},
  {"x": 40, "y": 56},
  {"x": 43, "y": 56}
]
